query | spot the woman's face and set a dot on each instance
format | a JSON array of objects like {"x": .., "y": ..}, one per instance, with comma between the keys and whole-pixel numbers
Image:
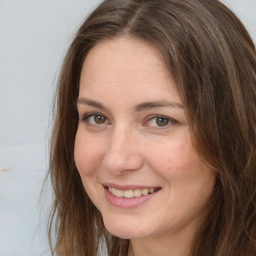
[{"x": 133, "y": 145}]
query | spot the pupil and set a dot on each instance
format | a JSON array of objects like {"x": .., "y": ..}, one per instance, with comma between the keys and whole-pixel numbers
[
  {"x": 162, "y": 121},
  {"x": 99, "y": 119}
]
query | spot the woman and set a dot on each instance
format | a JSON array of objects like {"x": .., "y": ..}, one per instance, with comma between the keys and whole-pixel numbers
[{"x": 153, "y": 148}]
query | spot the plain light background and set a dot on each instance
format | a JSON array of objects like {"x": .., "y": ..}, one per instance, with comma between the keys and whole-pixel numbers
[{"x": 34, "y": 35}]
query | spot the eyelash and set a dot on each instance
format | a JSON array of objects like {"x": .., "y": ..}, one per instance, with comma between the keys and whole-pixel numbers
[
  {"x": 86, "y": 120},
  {"x": 170, "y": 121}
]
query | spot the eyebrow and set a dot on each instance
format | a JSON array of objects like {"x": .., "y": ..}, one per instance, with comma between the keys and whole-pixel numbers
[
  {"x": 157, "y": 104},
  {"x": 91, "y": 103},
  {"x": 137, "y": 108}
]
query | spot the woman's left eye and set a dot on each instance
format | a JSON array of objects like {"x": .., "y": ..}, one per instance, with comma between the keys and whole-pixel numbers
[{"x": 160, "y": 122}]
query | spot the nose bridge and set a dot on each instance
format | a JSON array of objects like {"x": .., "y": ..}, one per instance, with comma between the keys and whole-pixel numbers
[{"x": 121, "y": 154}]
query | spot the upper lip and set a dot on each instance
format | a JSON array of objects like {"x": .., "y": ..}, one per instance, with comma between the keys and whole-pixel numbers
[{"x": 127, "y": 187}]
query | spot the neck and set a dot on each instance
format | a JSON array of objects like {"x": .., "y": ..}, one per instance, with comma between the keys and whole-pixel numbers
[{"x": 178, "y": 244}]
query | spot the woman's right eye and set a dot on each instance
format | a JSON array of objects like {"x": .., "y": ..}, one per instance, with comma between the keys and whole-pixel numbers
[{"x": 95, "y": 119}]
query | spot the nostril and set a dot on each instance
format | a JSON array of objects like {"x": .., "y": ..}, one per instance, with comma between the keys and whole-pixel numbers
[{"x": 121, "y": 163}]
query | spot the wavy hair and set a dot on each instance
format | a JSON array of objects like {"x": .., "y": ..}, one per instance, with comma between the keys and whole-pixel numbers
[{"x": 212, "y": 59}]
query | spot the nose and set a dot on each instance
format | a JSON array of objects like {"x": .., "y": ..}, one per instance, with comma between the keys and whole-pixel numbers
[{"x": 122, "y": 154}]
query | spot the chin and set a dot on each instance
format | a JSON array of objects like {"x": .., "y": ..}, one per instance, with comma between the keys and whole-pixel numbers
[{"x": 124, "y": 229}]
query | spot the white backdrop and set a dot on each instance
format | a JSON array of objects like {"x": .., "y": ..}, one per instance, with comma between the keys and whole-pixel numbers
[{"x": 34, "y": 35}]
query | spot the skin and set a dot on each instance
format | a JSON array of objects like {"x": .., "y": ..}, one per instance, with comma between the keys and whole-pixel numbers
[{"x": 129, "y": 144}]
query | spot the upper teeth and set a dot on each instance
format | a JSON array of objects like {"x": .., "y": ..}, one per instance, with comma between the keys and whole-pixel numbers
[{"x": 130, "y": 193}]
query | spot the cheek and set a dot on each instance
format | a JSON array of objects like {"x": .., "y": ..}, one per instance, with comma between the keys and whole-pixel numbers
[
  {"x": 178, "y": 163},
  {"x": 188, "y": 182},
  {"x": 87, "y": 153},
  {"x": 171, "y": 157}
]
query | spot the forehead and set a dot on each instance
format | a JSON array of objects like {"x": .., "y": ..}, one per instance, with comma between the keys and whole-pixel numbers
[{"x": 128, "y": 65}]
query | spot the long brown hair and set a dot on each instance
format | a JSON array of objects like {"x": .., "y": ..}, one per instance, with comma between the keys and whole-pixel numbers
[{"x": 212, "y": 59}]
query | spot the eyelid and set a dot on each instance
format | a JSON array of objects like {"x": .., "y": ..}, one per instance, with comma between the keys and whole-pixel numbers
[
  {"x": 171, "y": 120},
  {"x": 86, "y": 116}
]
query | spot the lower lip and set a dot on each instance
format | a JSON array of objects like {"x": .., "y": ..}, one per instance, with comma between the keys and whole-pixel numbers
[{"x": 123, "y": 202}]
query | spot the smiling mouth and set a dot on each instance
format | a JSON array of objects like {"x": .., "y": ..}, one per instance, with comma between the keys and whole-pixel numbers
[{"x": 132, "y": 193}]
